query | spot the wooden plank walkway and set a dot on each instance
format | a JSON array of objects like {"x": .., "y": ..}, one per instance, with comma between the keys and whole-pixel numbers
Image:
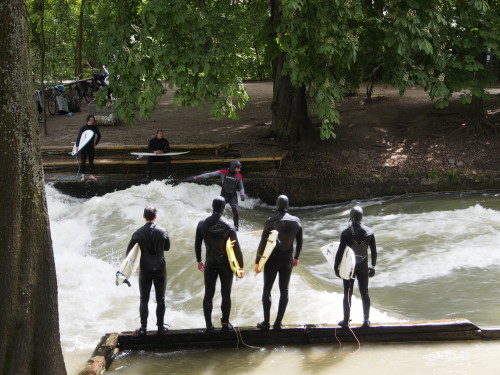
[
  {"x": 117, "y": 160},
  {"x": 433, "y": 330}
]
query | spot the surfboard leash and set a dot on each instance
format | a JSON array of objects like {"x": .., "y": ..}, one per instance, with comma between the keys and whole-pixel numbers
[
  {"x": 239, "y": 336},
  {"x": 349, "y": 324}
]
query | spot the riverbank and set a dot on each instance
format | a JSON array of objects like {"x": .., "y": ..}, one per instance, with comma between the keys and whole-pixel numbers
[{"x": 390, "y": 146}]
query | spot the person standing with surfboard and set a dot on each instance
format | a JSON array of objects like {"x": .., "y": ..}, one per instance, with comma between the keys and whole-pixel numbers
[
  {"x": 358, "y": 237},
  {"x": 215, "y": 231},
  {"x": 232, "y": 182},
  {"x": 88, "y": 148},
  {"x": 281, "y": 260},
  {"x": 159, "y": 145},
  {"x": 153, "y": 241}
]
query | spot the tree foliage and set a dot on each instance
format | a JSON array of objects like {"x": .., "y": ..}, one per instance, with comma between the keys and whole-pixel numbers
[{"x": 325, "y": 49}]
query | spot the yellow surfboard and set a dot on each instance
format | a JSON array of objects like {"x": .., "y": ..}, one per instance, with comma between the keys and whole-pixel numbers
[{"x": 233, "y": 262}]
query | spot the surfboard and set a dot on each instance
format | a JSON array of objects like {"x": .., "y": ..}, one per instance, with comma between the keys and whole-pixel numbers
[
  {"x": 271, "y": 244},
  {"x": 347, "y": 264},
  {"x": 129, "y": 265},
  {"x": 142, "y": 154},
  {"x": 87, "y": 135},
  {"x": 233, "y": 262}
]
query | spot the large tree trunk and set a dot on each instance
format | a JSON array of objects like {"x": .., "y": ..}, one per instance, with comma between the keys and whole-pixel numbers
[
  {"x": 29, "y": 322},
  {"x": 291, "y": 122}
]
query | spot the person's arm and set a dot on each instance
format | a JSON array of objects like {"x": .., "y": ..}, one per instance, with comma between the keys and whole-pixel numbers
[
  {"x": 373, "y": 251},
  {"x": 131, "y": 244},
  {"x": 241, "y": 188},
  {"x": 339, "y": 255},
  {"x": 261, "y": 247},
  {"x": 208, "y": 175},
  {"x": 236, "y": 247},
  {"x": 166, "y": 246},
  {"x": 98, "y": 134},
  {"x": 197, "y": 247},
  {"x": 166, "y": 147},
  {"x": 78, "y": 138},
  {"x": 298, "y": 247},
  {"x": 150, "y": 145}
]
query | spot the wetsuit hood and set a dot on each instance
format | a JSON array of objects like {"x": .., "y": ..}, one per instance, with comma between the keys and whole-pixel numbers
[
  {"x": 282, "y": 203},
  {"x": 356, "y": 214},
  {"x": 218, "y": 205},
  {"x": 233, "y": 165}
]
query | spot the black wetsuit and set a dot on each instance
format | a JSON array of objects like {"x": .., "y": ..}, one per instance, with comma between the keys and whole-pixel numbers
[
  {"x": 161, "y": 144},
  {"x": 89, "y": 149},
  {"x": 280, "y": 261},
  {"x": 153, "y": 241},
  {"x": 215, "y": 230},
  {"x": 358, "y": 237},
  {"x": 232, "y": 182}
]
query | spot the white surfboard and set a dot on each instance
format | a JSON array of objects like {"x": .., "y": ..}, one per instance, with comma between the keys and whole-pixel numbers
[
  {"x": 129, "y": 265},
  {"x": 233, "y": 262},
  {"x": 87, "y": 135},
  {"x": 347, "y": 264},
  {"x": 271, "y": 244},
  {"x": 142, "y": 154}
]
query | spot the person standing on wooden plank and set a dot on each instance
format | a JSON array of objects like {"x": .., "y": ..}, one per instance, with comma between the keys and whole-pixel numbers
[
  {"x": 358, "y": 237},
  {"x": 153, "y": 241},
  {"x": 215, "y": 230},
  {"x": 159, "y": 145},
  {"x": 281, "y": 261},
  {"x": 89, "y": 149},
  {"x": 232, "y": 182}
]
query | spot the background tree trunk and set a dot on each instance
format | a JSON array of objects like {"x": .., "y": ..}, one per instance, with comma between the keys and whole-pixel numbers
[
  {"x": 290, "y": 117},
  {"x": 289, "y": 107},
  {"x": 29, "y": 321}
]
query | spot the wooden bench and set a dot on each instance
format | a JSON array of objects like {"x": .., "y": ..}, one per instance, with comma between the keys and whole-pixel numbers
[{"x": 123, "y": 166}]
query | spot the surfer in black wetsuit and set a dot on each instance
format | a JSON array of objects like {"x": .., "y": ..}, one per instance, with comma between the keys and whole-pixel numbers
[
  {"x": 89, "y": 149},
  {"x": 153, "y": 241},
  {"x": 358, "y": 237},
  {"x": 232, "y": 182},
  {"x": 281, "y": 261},
  {"x": 215, "y": 230},
  {"x": 159, "y": 145}
]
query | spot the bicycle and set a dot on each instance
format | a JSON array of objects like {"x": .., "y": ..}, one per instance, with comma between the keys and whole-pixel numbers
[
  {"x": 50, "y": 98},
  {"x": 83, "y": 90}
]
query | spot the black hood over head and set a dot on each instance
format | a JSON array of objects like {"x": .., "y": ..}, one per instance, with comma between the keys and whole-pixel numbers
[
  {"x": 282, "y": 203},
  {"x": 233, "y": 165},
  {"x": 218, "y": 205}
]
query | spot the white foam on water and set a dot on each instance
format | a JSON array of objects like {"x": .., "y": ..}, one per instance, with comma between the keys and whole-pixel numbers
[{"x": 90, "y": 238}]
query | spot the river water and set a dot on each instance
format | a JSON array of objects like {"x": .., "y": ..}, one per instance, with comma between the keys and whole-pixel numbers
[{"x": 439, "y": 257}]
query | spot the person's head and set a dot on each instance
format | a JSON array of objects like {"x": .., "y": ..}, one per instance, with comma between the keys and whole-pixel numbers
[
  {"x": 90, "y": 120},
  {"x": 356, "y": 214},
  {"x": 150, "y": 213},
  {"x": 235, "y": 166},
  {"x": 282, "y": 203},
  {"x": 159, "y": 134},
  {"x": 218, "y": 205}
]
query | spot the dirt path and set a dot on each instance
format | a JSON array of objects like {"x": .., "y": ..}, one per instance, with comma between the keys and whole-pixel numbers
[{"x": 391, "y": 134}]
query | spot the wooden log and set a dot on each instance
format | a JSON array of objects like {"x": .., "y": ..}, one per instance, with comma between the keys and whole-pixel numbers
[
  {"x": 434, "y": 330},
  {"x": 444, "y": 330},
  {"x": 490, "y": 333},
  {"x": 102, "y": 357}
]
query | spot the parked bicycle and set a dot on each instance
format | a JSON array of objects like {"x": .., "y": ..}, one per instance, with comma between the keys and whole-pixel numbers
[{"x": 51, "y": 93}]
